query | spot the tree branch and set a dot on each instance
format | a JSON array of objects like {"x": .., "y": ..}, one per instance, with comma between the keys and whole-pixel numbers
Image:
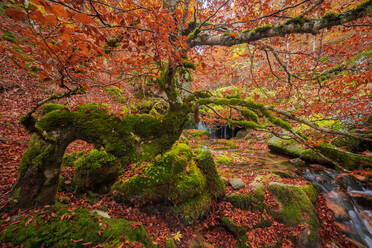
[
  {"x": 291, "y": 26},
  {"x": 316, "y": 127}
]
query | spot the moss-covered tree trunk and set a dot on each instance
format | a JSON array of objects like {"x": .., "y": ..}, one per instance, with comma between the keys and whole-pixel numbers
[
  {"x": 129, "y": 138},
  {"x": 38, "y": 182}
]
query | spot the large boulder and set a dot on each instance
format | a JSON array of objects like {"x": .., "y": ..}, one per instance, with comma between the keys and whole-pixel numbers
[
  {"x": 178, "y": 179},
  {"x": 96, "y": 171}
]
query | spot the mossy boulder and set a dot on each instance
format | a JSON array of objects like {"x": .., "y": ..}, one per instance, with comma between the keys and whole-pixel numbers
[
  {"x": 249, "y": 201},
  {"x": 61, "y": 227},
  {"x": 175, "y": 180},
  {"x": 96, "y": 171},
  {"x": 70, "y": 158},
  {"x": 346, "y": 159},
  {"x": 296, "y": 206},
  {"x": 170, "y": 177}
]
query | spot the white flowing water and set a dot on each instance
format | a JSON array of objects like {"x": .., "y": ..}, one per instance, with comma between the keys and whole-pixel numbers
[{"x": 355, "y": 203}]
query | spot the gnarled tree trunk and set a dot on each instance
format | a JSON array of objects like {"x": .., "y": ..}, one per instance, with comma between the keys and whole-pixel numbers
[{"x": 129, "y": 138}]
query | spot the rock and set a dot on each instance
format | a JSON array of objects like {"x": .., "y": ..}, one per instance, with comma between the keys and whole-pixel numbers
[
  {"x": 363, "y": 197},
  {"x": 356, "y": 243},
  {"x": 237, "y": 183},
  {"x": 186, "y": 187},
  {"x": 198, "y": 242},
  {"x": 344, "y": 228},
  {"x": 297, "y": 162},
  {"x": 101, "y": 213},
  {"x": 337, "y": 209}
]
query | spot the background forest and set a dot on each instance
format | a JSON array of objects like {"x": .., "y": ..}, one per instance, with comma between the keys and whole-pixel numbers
[{"x": 185, "y": 123}]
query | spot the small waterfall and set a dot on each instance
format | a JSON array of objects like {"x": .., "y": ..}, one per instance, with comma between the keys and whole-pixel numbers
[{"x": 201, "y": 126}]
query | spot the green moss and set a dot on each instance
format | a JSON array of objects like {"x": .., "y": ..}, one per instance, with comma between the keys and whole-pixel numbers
[
  {"x": 330, "y": 16},
  {"x": 194, "y": 208},
  {"x": 238, "y": 231},
  {"x": 67, "y": 226},
  {"x": 36, "y": 155},
  {"x": 29, "y": 122},
  {"x": 283, "y": 173},
  {"x": 246, "y": 124},
  {"x": 95, "y": 159},
  {"x": 170, "y": 243},
  {"x": 70, "y": 158},
  {"x": 189, "y": 65},
  {"x": 195, "y": 133},
  {"x": 249, "y": 114},
  {"x": 215, "y": 185},
  {"x": 259, "y": 29},
  {"x": 166, "y": 179},
  {"x": 350, "y": 144},
  {"x": 95, "y": 170},
  {"x": 296, "y": 206},
  {"x": 9, "y": 36},
  {"x": 346, "y": 159},
  {"x": 51, "y": 107},
  {"x": 224, "y": 160},
  {"x": 262, "y": 28},
  {"x": 297, "y": 20},
  {"x": 249, "y": 201}
]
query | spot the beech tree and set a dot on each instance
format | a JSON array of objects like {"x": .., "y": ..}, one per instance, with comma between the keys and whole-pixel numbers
[{"x": 151, "y": 49}]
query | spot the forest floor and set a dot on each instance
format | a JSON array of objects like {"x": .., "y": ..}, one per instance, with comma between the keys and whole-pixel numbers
[{"x": 248, "y": 158}]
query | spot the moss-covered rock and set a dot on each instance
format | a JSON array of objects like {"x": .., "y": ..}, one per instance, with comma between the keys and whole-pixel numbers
[
  {"x": 175, "y": 180},
  {"x": 193, "y": 208},
  {"x": 172, "y": 177},
  {"x": 251, "y": 201},
  {"x": 67, "y": 228},
  {"x": 346, "y": 159},
  {"x": 69, "y": 159},
  {"x": 296, "y": 207},
  {"x": 96, "y": 171}
]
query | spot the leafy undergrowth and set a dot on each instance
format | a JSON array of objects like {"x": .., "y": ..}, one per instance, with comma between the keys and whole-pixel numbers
[{"x": 248, "y": 158}]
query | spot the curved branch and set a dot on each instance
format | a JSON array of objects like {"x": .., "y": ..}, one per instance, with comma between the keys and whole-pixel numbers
[
  {"x": 292, "y": 26},
  {"x": 316, "y": 127}
]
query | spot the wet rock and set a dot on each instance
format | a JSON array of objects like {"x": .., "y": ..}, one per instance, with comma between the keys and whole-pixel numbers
[
  {"x": 356, "y": 243},
  {"x": 363, "y": 197},
  {"x": 343, "y": 227},
  {"x": 337, "y": 209},
  {"x": 237, "y": 183}
]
